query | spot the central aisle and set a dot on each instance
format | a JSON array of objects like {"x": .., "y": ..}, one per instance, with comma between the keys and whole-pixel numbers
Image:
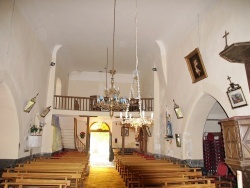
[
  {"x": 103, "y": 177},
  {"x": 102, "y": 173}
]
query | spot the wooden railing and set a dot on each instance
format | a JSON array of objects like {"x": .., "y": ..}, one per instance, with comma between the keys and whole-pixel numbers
[{"x": 88, "y": 103}]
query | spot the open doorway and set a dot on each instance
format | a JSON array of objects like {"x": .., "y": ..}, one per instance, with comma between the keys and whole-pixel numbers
[
  {"x": 213, "y": 147},
  {"x": 100, "y": 144}
]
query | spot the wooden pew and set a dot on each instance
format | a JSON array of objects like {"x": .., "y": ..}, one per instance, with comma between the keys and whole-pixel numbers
[
  {"x": 131, "y": 169},
  {"x": 196, "y": 183},
  {"x": 139, "y": 175},
  {"x": 75, "y": 173},
  {"x": 75, "y": 178},
  {"x": 37, "y": 183}
]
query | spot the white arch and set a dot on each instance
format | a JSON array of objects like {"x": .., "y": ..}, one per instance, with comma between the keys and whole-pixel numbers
[
  {"x": 9, "y": 129},
  {"x": 163, "y": 58},
  {"x": 192, "y": 141}
]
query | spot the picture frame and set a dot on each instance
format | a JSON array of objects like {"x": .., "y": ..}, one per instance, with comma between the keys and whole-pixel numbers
[
  {"x": 236, "y": 98},
  {"x": 125, "y": 131},
  {"x": 148, "y": 131},
  {"x": 196, "y": 66}
]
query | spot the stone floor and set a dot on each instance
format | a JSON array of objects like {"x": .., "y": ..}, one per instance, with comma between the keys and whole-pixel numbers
[
  {"x": 104, "y": 177},
  {"x": 103, "y": 174}
]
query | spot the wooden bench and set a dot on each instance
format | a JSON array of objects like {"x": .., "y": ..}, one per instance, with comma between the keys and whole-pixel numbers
[
  {"x": 37, "y": 183},
  {"x": 139, "y": 175},
  {"x": 75, "y": 178},
  {"x": 198, "y": 182}
]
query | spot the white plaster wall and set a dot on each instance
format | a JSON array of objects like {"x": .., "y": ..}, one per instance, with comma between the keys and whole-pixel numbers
[
  {"x": 232, "y": 16},
  {"x": 86, "y": 84},
  {"x": 9, "y": 124},
  {"x": 60, "y": 73},
  {"x": 26, "y": 67},
  {"x": 116, "y": 133}
]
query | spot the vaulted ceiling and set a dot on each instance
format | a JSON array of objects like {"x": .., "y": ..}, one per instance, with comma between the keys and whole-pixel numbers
[{"x": 84, "y": 28}]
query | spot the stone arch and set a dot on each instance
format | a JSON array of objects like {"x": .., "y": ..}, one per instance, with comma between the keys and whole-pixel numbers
[
  {"x": 192, "y": 141},
  {"x": 9, "y": 129}
]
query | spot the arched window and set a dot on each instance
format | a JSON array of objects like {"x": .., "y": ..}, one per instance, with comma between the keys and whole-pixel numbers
[{"x": 99, "y": 127}]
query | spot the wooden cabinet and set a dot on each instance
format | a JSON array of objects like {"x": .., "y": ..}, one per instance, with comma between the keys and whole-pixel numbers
[{"x": 236, "y": 136}]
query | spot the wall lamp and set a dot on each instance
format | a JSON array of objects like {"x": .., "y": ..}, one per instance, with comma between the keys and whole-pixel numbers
[{"x": 178, "y": 111}]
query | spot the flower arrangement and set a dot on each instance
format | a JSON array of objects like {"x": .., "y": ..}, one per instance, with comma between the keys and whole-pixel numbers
[
  {"x": 34, "y": 130},
  {"x": 82, "y": 134}
]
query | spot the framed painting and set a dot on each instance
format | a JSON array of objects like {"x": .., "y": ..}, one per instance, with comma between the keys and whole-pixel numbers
[
  {"x": 125, "y": 131},
  {"x": 236, "y": 98},
  {"x": 196, "y": 66}
]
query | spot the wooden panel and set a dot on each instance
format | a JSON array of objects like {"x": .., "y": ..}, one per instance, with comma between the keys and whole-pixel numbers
[{"x": 236, "y": 134}]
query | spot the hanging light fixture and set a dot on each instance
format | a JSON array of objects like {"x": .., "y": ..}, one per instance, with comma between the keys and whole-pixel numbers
[
  {"x": 142, "y": 119},
  {"x": 111, "y": 101}
]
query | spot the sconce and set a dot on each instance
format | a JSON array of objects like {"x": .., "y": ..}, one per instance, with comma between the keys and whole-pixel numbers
[
  {"x": 45, "y": 111},
  {"x": 178, "y": 140},
  {"x": 178, "y": 111},
  {"x": 30, "y": 104}
]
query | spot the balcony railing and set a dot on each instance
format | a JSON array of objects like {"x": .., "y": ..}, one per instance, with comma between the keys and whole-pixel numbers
[{"x": 88, "y": 103}]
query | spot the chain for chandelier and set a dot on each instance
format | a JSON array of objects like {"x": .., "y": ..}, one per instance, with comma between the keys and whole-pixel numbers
[
  {"x": 142, "y": 120},
  {"x": 111, "y": 101}
]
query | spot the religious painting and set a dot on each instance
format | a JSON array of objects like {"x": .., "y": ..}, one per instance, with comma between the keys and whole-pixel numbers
[
  {"x": 125, "y": 131},
  {"x": 148, "y": 131},
  {"x": 236, "y": 98},
  {"x": 196, "y": 66}
]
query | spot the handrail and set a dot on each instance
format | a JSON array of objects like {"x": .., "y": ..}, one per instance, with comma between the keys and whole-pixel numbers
[
  {"x": 79, "y": 145},
  {"x": 88, "y": 103}
]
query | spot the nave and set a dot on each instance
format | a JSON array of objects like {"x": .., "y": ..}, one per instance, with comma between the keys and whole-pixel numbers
[{"x": 75, "y": 169}]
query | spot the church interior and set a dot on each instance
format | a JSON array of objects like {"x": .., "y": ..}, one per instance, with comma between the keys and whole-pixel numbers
[{"x": 125, "y": 91}]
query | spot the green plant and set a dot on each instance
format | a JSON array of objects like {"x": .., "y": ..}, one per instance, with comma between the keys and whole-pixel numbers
[
  {"x": 82, "y": 134},
  {"x": 35, "y": 130}
]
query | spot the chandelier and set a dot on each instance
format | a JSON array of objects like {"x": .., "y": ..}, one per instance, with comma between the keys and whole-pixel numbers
[
  {"x": 111, "y": 102},
  {"x": 136, "y": 122}
]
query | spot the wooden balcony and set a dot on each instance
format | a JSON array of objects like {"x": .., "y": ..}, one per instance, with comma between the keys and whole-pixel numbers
[{"x": 88, "y": 103}]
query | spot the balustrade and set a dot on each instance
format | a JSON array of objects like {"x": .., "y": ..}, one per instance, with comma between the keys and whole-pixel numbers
[{"x": 88, "y": 103}]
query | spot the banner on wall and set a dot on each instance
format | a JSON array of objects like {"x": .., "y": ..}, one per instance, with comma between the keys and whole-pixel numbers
[
  {"x": 57, "y": 134},
  {"x": 55, "y": 121}
]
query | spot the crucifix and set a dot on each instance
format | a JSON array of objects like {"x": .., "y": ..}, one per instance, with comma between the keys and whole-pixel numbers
[{"x": 225, "y": 36}]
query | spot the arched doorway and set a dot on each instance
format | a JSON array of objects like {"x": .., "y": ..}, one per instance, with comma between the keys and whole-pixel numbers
[
  {"x": 100, "y": 140},
  {"x": 213, "y": 147}
]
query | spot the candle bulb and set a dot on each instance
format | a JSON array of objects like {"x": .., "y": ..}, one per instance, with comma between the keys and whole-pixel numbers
[
  {"x": 143, "y": 114},
  {"x": 152, "y": 115},
  {"x": 126, "y": 114},
  {"x": 130, "y": 116},
  {"x": 239, "y": 179},
  {"x": 120, "y": 115}
]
